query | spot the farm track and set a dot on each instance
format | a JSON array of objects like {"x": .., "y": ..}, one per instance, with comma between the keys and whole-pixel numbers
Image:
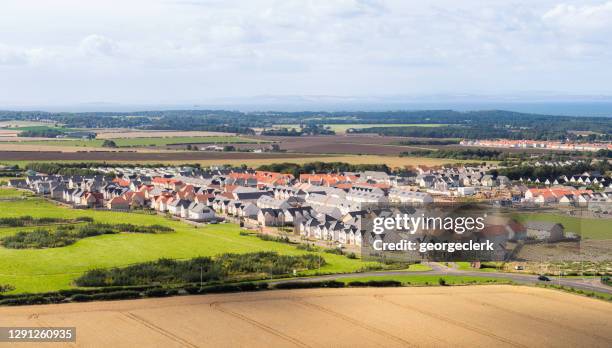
[
  {"x": 160, "y": 330},
  {"x": 217, "y": 306},
  {"x": 451, "y": 321}
]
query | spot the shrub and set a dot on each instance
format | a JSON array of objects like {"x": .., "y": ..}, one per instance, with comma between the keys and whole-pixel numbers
[
  {"x": 376, "y": 283},
  {"x": 69, "y": 234},
  {"x": 81, "y": 298},
  {"x": 117, "y": 295},
  {"x": 335, "y": 251},
  {"x": 222, "y": 268},
  {"x": 441, "y": 282},
  {"x": 158, "y": 292},
  {"x": 310, "y": 285},
  {"x": 6, "y": 288}
]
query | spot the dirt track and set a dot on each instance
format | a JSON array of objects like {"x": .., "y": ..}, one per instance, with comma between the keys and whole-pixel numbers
[{"x": 485, "y": 316}]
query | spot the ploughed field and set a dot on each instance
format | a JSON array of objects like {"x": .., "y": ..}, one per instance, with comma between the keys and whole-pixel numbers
[{"x": 467, "y": 316}]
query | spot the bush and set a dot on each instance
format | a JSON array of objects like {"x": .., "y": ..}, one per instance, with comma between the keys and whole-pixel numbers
[
  {"x": 351, "y": 255},
  {"x": 310, "y": 285},
  {"x": 223, "y": 268},
  {"x": 441, "y": 282},
  {"x": 68, "y": 234},
  {"x": 158, "y": 292},
  {"x": 335, "y": 251},
  {"x": 117, "y": 295},
  {"x": 6, "y": 288},
  {"x": 81, "y": 298},
  {"x": 307, "y": 247},
  {"x": 376, "y": 283}
]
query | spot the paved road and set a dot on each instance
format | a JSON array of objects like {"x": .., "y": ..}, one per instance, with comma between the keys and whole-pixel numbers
[{"x": 588, "y": 284}]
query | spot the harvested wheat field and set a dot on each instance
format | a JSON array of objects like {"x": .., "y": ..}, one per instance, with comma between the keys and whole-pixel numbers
[{"x": 469, "y": 316}]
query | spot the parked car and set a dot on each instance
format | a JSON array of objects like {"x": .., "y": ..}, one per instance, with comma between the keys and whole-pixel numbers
[{"x": 543, "y": 278}]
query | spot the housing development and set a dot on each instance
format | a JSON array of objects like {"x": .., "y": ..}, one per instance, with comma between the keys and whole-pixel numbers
[
  {"x": 321, "y": 173},
  {"x": 318, "y": 206}
]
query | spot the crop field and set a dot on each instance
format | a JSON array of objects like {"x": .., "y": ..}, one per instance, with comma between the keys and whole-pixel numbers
[
  {"x": 109, "y": 133},
  {"x": 145, "y": 141},
  {"x": 341, "y": 128},
  {"x": 464, "y": 316},
  {"x": 213, "y": 158},
  {"x": 39, "y": 270}
]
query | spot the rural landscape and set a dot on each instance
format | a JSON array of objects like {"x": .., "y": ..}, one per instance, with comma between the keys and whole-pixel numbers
[
  {"x": 109, "y": 211},
  {"x": 321, "y": 173}
]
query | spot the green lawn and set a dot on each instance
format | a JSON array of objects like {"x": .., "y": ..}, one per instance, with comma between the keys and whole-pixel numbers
[
  {"x": 423, "y": 279},
  {"x": 38, "y": 270},
  {"x": 12, "y": 193},
  {"x": 128, "y": 142},
  {"x": 588, "y": 228}
]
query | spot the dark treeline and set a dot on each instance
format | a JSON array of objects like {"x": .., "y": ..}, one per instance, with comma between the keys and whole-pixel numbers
[
  {"x": 305, "y": 129},
  {"x": 468, "y": 154},
  {"x": 81, "y": 168},
  {"x": 472, "y": 124},
  {"x": 42, "y": 133},
  {"x": 322, "y": 167},
  {"x": 551, "y": 172},
  {"x": 535, "y": 132},
  {"x": 221, "y": 268},
  {"x": 68, "y": 234}
]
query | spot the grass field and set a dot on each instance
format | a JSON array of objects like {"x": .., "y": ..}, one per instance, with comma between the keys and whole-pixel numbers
[
  {"x": 152, "y": 141},
  {"x": 39, "y": 128},
  {"x": 38, "y": 270},
  {"x": 588, "y": 228},
  {"x": 12, "y": 193},
  {"x": 341, "y": 128}
]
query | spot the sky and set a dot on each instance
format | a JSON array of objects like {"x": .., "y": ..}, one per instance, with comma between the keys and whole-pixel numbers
[{"x": 189, "y": 51}]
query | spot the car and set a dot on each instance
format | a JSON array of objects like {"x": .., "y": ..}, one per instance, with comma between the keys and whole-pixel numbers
[{"x": 543, "y": 278}]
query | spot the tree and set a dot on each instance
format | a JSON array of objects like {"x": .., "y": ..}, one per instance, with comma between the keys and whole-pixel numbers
[{"x": 109, "y": 143}]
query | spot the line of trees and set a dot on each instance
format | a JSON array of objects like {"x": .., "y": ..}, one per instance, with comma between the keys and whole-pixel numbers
[
  {"x": 201, "y": 269},
  {"x": 468, "y": 154},
  {"x": 322, "y": 167}
]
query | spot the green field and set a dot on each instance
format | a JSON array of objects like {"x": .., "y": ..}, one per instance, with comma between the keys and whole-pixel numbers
[
  {"x": 422, "y": 279},
  {"x": 8, "y": 193},
  {"x": 129, "y": 142},
  {"x": 341, "y": 128},
  {"x": 587, "y": 228},
  {"x": 36, "y": 128},
  {"x": 39, "y": 270}
]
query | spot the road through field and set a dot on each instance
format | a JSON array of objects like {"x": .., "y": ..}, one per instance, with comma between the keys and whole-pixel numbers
[
  {"x": 587, "y": 284},
  {"x": 465, "y": 316}
]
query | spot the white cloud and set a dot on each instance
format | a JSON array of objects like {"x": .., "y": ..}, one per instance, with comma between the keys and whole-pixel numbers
[
  {"x": 12, "y": 56},
  {"x": 191, "y": 48},
  {"x": 591, "y": 17},
  {"x": 98, "y": 45}
]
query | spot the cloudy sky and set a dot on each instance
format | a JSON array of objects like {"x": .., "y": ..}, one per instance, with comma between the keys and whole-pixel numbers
[{"x": 164, "y": 51}]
